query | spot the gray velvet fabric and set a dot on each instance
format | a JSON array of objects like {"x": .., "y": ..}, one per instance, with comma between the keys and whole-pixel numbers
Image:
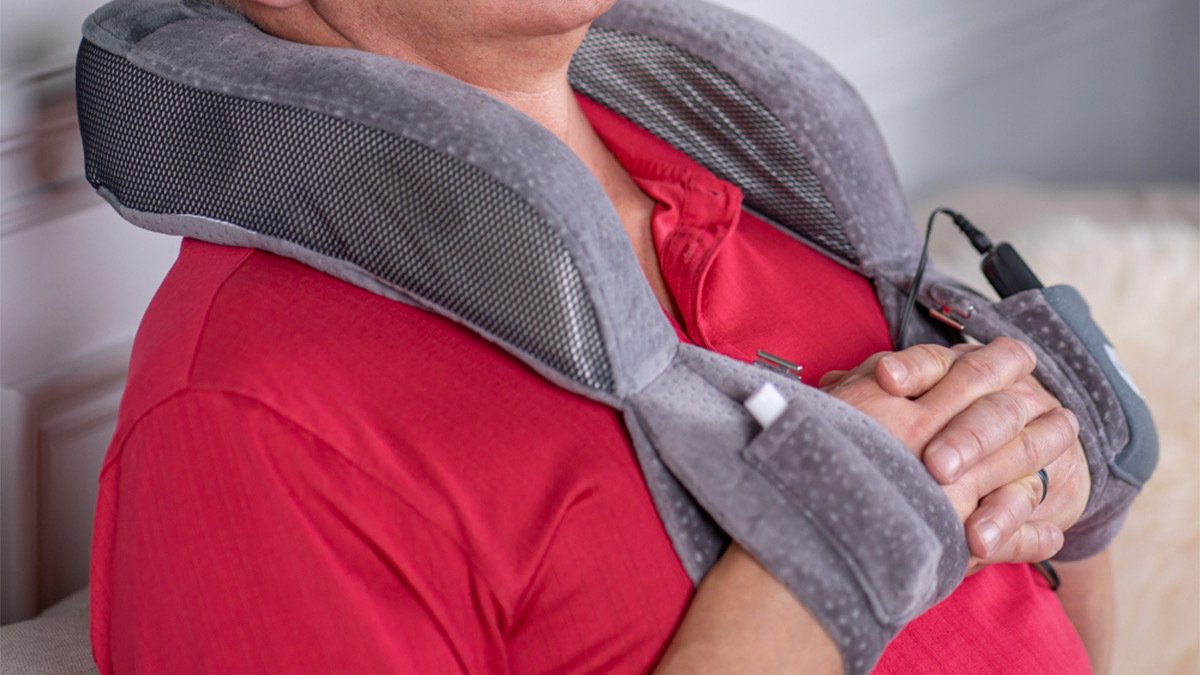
[
  {"x": 1074, "y": 366},
  {"x": 834, "y": 507},
  {"x": 1134, "y": 461},
  {"x": 880, "y": 543},
  {"x": 449, "y": 117},
  {"x": 825, "y": 115},
  {"x": 117, "y": 26}
]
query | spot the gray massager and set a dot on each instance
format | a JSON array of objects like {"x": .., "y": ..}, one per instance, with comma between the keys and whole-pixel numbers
[{"x": 423, "y": 189}]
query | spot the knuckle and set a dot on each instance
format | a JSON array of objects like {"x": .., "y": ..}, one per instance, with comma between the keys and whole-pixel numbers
[
  {"x": 1040, "y": 542},
  {"x": 971, "y": 485},
  {"x": 983, "y": 369},
  {"x": 856, "y": 392},
  {"x": 1015, "y": 508},
  {"x": 1056, "y": 544},
  {"x": 1048, "y": 544},
  {"x": 929, "y": 350},
  {"x": 929, "y": 356},
  {"x": 1018, "y": 351},
  {"x": 1021, "y": 545},
  {"x": 1008, "y": 409},
  {"x": 1032, "y": 493},
  {"x": 920, "y": 428},
  {"x": 868, "y": 365},
  {"x": 831, "y": 377},
  {"x": 1064, "y": 430},
  {"x": 1028, "y": 451},
  {"x": 1009, "y": 516},
  {"x": 1026, "y": 387},
  {"x": 970, "y": 442},
  {"x": 1036, "y": 545},
  {"x": 1035, "y": 398}
]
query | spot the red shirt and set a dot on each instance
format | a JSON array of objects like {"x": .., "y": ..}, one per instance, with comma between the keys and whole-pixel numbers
[{"x": 307, "y": 477}]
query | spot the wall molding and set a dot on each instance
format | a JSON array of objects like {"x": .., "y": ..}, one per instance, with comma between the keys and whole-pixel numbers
[
  {"x": 56, "y": 428},
  {"x": 41, "y": 157}
]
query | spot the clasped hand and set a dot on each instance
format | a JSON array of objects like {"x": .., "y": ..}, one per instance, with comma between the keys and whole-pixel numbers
[{"x": 983, "y": 426}]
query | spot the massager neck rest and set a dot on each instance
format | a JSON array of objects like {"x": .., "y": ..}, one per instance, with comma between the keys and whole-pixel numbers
[{"x": 422, "y": 189}]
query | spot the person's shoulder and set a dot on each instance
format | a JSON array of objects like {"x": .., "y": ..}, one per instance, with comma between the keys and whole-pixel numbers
[
  {"x": 317, "y": 348},
  {"x": 484, "y": 448},
  {"x": 243, "y": 320}
]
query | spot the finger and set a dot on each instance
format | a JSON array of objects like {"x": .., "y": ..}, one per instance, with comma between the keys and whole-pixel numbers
[
  {"x": 1068, "y": 487},
  {"x": 913, "y": 371},
  {"x": 867, "y": 367},
  {"x": 986, "y": 426},
  {"x": 1030, "y": 384},
  {"x": 1001, "y": 514},
  {"x": 1039, "y": 443},
  {"x": 863, "y": 371},
  {"x": 975, "y": 565},
  {"x": 993, "y": 367},
  {"x": 857, "y": 386},
  {"x": 1034, "y": 541},
  {"x": 831, "y": 378}
]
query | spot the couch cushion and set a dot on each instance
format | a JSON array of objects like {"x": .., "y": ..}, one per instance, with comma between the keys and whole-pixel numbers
[{"x": 55, "y": 642}]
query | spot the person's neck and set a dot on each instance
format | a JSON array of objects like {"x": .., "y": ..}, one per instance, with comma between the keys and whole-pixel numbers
[{"x": 527, "y": 72}]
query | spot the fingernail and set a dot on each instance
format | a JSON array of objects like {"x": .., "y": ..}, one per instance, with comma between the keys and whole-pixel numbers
[
  {"x": 1056, "y": 538},
  {"x": 946, "y": 462},
  {"x": 989, "y": 534},
  {"x": 896, "y": 369}
]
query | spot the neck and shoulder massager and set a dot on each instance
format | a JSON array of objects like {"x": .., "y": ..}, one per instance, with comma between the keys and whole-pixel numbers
[{"x": 422, "y": 189}]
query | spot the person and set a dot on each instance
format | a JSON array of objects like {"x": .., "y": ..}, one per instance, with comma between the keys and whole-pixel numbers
[{"x": 302, "y": 480}]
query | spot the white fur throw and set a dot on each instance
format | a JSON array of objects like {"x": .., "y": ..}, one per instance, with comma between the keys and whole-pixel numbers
[{"x": 1135, "y": 256}]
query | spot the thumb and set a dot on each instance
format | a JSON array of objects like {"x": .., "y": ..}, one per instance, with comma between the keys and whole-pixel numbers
[{"x": 914, "y": 371}]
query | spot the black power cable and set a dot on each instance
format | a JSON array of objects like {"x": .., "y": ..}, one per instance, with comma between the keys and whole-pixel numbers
[{"x": 1004, "y": 269}]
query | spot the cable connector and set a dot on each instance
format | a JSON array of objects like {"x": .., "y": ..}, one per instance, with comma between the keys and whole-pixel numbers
[
  {"x": 978, "y": 239},
  {"x": 1004, "y": 269}
]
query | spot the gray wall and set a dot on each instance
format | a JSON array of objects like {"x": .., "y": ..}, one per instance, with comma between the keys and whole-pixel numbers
[{"x": 1061, "y": 90}]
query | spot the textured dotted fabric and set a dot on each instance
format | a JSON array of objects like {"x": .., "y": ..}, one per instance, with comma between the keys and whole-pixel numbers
[
  {"x": 780, "y": 495},
  {"x": 1068, "y": 370}
]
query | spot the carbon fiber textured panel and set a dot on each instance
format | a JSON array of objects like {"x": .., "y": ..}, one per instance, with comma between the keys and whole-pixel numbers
[
  {"x": 693, "y": 106},
  {"x": 344, "y": 190}
]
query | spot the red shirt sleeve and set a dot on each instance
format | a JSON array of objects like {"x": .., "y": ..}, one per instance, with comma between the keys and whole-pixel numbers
[{"x": 254, "y": 546}]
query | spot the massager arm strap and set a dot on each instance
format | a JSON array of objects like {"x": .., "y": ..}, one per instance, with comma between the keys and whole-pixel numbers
[
  {"x": 1077, "y": 364},
  {"x": 829, "y": 502}
]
